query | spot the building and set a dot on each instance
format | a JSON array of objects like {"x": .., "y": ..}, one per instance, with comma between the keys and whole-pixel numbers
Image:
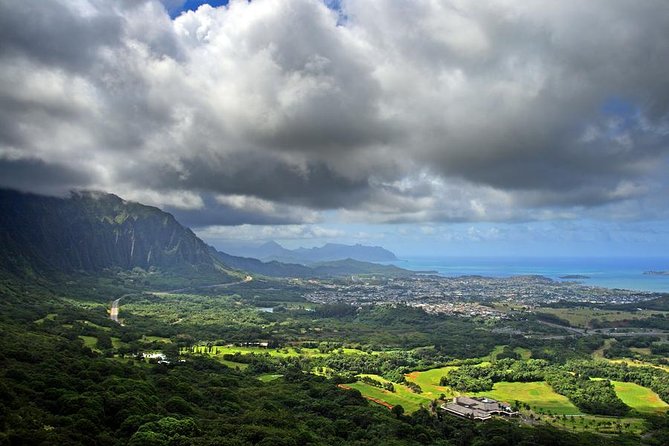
[{"x": 477, "y": 408}]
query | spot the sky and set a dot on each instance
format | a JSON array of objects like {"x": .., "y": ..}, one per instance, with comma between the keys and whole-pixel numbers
[{"x": 486, "y": 128}]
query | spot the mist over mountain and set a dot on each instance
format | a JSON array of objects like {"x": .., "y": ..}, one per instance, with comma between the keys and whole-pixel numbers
[
  {"x": 92, "y": 231},
  {"x": 273, "y": 251}
]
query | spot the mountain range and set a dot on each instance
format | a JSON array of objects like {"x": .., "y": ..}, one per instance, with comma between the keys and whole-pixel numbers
[
  {"x": 272, "y": 251},
  {"x": 92, "y": 231}
]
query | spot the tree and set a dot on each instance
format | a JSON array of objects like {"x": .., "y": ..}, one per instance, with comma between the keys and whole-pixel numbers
[{"x": 397, "y": 410}]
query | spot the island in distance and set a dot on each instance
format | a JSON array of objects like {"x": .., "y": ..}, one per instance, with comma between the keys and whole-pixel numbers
[
  {"x": 656, "y": 273},
  {"x": 574, "y": 276},
  {"x": 272, "y": 251}
]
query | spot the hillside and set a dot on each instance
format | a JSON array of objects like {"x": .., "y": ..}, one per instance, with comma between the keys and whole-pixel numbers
[{"x": 90, "y": 232}]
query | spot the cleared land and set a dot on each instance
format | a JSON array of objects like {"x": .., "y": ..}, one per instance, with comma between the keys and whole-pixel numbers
[
  {"x": 268, "y": 377},
  {"x": 429, "y": 381},
  {"x": 639, "y": 398},
  {"x": 407, "y": 399},
  {"x": 90, "y": 342},
  {"x": 539, "y": 395},
  {"x": 286, "y": 352}
]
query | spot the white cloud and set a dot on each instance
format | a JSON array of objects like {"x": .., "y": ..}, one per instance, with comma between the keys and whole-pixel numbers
[{"x": 407, "y": 111}]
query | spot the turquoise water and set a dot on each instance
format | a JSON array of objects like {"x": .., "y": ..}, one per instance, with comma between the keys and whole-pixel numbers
[{"x": 626, "y": 273}]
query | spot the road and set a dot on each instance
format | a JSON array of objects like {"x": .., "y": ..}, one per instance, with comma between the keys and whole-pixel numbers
[
  {"x": 204, "y": 287},
  {"x": 113, "y": 312}
]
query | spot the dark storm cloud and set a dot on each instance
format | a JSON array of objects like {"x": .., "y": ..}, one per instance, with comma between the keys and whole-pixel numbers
[
  {"x": 269, "y": 112},
  {"x": 230, "y": 212},
  {"x": 38, "y": 176},
  {"x": 256, "y": 174}
]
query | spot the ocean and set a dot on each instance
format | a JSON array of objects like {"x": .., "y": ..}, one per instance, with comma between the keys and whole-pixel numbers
[{"x": 625, "y": 273}]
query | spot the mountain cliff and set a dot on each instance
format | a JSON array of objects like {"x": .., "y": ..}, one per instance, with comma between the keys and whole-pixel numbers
[{"x": 92, "y": 231}]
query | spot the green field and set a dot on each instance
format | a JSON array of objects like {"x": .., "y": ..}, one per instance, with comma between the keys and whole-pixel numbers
[
  {"x": 639, "y": 398},
  {"x": 429, "y": 381},
  {"x": 234, "y": 365},
  {"x": 90, "y": 341},
  {"x": 539, "y": 395},
  {"x": 220, "y": 350},
  {"x": 286, "y": 352},
  {"x": 403, "y": 396},
  {"x": 496, "y": 351},
  {"x": 116, "y": 342},
  {"x": 268, "y": 377},
  {"x": 523, "y": 352}
]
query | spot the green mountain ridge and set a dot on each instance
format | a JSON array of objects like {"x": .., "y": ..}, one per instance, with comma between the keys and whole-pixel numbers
[{"x": 92, "y": 231}]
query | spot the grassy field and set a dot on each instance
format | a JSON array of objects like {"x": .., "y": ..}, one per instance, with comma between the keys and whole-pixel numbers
[
  {"x": 234, "y": 365},
  {"x": 286, "y": 352},
  {"x": 403, "y": 396},
  {"x": 117, "y": 343},
  {"x": 496, "y": 351},
  {"x": 639, "y": 398},
  {"x": 90, "y": 342},
  {"x": 594, "y": 423},
  {"x": 539, "y": 395},
  {"x": 637, "y": 363},
  {"x": 267, "y": 377},
  {"x": 219, "y": 350},
  {"x": 48, "y": 317},
  {"x": 429, "y": 381},
  {"x": 581, "y": 316},
  {"x": 523, "y": 352}
]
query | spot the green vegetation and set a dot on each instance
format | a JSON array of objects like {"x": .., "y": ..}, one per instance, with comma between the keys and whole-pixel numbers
[
  {"x": 428, "y": 380},
  {"x": 409, "y": 400},
  {"x": 90, "y": 341},
  {"x": 591, "y": 317},
  {"x": 590, "y": 396},
  {"x": 539, "y": 396},
  {"x": 639, "y": 398}
]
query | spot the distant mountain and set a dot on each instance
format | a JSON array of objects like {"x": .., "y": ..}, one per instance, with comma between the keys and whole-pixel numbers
[
  {"x": 352, "y": 266},
  {"x": 336, "y": 268},
  {"x": 92, "y": 231},
  {"x": 272, "y": 251},
  {"x": 272, "y": 269}
]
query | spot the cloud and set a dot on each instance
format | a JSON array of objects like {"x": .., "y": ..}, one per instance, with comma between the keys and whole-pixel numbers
[
  {"x": 272, "y": 112},
  {"x": 255, "y": 232}
]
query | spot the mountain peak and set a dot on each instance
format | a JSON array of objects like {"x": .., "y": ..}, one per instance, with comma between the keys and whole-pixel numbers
[{"x": 91, "y": 231}]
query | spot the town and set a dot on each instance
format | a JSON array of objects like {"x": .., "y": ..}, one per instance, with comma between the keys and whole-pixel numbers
[{"x": 465, "y": 295}]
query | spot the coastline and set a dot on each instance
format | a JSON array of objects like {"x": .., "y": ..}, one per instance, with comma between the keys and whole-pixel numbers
[{"x": 614, "y": 273}]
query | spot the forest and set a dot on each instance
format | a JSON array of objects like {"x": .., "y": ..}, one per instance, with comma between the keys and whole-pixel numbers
[{"x": 72, "y": 376}]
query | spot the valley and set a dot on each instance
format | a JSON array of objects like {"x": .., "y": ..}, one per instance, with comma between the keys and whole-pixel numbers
[{"x": 212, "y": 351}]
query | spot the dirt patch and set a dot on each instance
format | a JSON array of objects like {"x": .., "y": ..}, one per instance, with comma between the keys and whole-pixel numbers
[{"x": 378, "y": 401}]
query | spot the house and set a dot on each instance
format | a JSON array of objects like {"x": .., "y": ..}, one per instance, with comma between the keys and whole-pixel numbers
[
  {"x": 161, "y": 357},
  {"x": 477, "y": 408}
]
